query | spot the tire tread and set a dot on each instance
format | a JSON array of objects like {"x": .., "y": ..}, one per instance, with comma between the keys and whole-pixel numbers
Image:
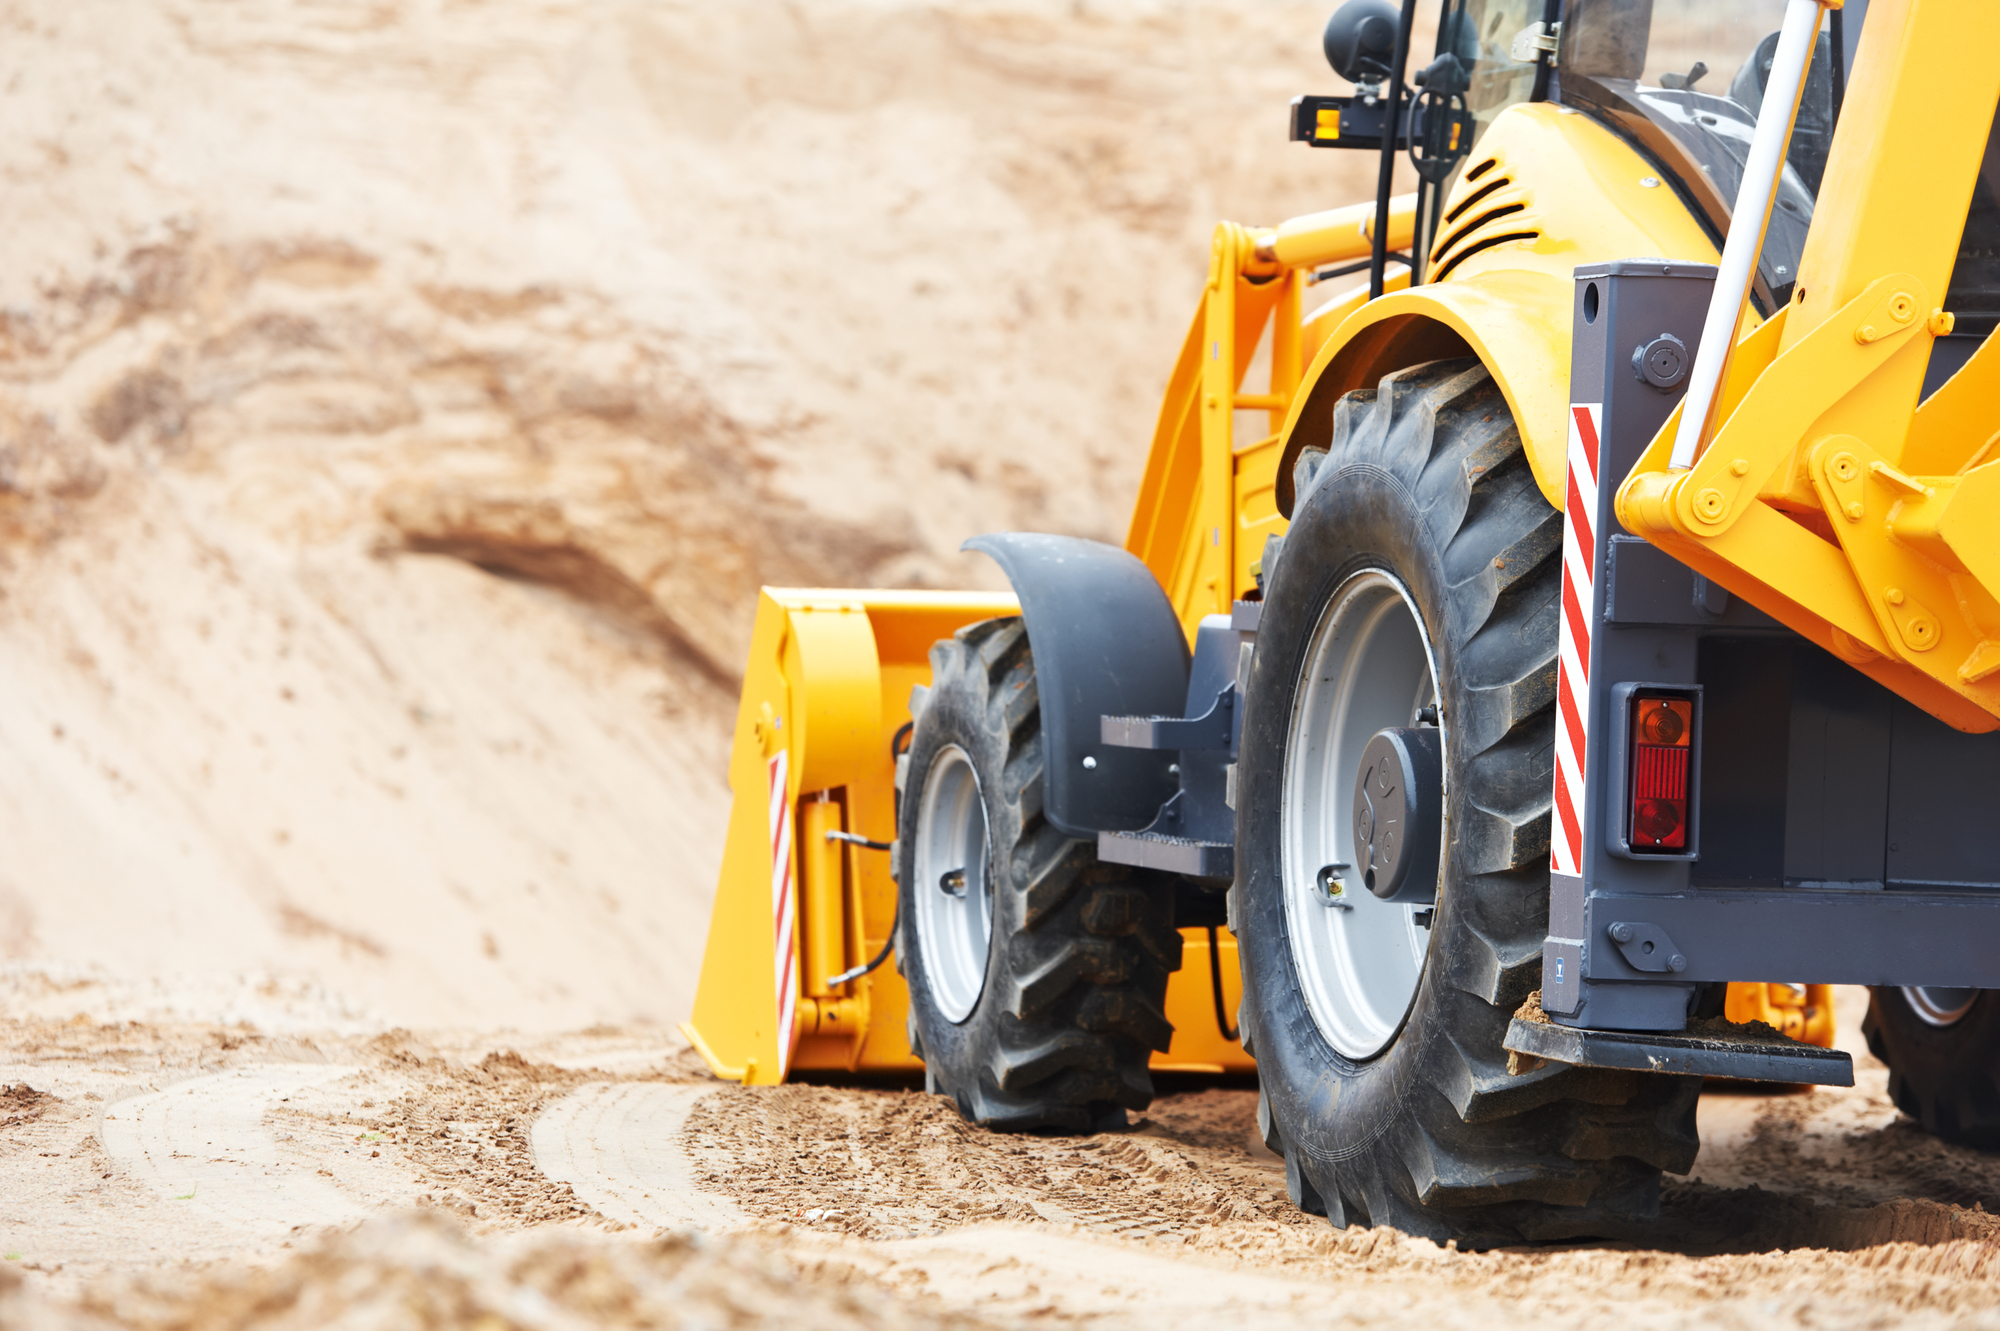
[
  {"x": 1476, "y": 1152},
  {"x": 1082, "y": 981}
]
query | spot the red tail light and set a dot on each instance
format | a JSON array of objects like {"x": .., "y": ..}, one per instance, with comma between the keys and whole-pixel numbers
[{"x": 1662, "y": 735}]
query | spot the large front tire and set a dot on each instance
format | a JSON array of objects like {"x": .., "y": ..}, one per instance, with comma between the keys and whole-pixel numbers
[
  {"x": 1424, "y": 563},
  {"x": 1037, "y": 975}
]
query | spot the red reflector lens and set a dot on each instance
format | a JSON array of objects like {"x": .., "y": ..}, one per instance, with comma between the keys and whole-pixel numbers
[{"x": 1662, "y": 735}]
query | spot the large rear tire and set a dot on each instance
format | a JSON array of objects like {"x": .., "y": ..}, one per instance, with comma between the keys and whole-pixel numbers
[
  {"x": 1943, "y": 1051},
  {"x": 1421, "y": 571},
  {"x": 1037, "y": 975}
]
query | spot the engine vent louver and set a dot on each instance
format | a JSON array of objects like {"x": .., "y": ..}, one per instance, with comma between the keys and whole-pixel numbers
[{"x": 1470, "y": 228}]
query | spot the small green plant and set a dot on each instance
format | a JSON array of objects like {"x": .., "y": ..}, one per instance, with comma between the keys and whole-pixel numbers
[
  {"x": 188, "y": 1196},
  {"x": 13, "y": 1256}
]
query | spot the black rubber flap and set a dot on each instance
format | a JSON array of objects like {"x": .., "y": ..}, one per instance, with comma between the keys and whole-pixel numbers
[{"x": 1106, "y": 643}]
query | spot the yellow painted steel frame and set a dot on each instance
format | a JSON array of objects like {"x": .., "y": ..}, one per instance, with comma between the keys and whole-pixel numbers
[
  {"x": 826, "y": 689},
  {"x": 1827, "y": 497}
]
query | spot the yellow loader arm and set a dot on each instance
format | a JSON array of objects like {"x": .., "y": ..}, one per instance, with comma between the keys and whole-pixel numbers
[{"x": 1816, "y": 492}]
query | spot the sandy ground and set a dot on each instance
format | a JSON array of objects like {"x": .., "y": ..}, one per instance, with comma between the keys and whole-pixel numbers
[
  {"x": 400, "y": 402},
  {"x": 168, "y": 1175}
]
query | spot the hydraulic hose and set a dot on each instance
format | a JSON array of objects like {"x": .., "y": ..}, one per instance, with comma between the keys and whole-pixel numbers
[
  {"x": 853, "y": 840},
  {"x": 1746, "y": 224}
]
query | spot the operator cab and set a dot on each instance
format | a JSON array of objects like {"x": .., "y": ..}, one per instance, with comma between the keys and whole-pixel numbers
[{"x": 1681, "y": 81}]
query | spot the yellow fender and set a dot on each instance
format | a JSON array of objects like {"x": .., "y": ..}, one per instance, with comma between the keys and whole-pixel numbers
[{"x": 1507, "y": 290}]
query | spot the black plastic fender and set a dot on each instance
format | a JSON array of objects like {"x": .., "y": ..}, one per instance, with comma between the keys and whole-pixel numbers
[{"x": 1106, "y": 643}]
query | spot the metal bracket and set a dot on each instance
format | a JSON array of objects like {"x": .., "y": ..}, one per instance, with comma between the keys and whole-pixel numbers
[
  {"x": 1168, "y": 853},
  {"x": 1214, "y": 729},
  {"x": 1646, "y": 947},
  {"x": 1537, "y": 39}
]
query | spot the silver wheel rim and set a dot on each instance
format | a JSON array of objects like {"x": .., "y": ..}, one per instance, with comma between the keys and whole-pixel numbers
[
  {"x": 954, "y": 901},
  {"x": 1939, "y": 1006},
  {"x": 1368, "y": 666}
]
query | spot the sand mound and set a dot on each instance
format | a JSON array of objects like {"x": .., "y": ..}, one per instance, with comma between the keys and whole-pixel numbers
[{"x": 400, "y": 404}]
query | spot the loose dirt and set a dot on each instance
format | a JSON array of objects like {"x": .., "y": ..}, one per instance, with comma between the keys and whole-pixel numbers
[{"x": 601, "y": 1178}]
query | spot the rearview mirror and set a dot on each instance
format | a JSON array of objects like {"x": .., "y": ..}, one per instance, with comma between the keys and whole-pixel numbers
[{"x": 1360, "y": 40}]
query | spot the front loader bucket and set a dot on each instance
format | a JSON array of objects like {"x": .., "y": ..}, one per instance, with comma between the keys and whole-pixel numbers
[{"x": 826, "y": 691}]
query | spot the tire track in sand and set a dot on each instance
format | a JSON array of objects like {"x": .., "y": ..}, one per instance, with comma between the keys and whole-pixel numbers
[
  {"x": 620, "y": 1146},
  {"x": 203, "y": 1142}
]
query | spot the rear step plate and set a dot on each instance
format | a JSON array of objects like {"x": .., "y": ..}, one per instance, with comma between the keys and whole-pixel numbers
[{"x": 1708, "y": 1049}]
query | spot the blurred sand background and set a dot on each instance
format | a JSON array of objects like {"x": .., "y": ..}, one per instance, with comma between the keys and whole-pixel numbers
[{"x": 401, "y": 401}]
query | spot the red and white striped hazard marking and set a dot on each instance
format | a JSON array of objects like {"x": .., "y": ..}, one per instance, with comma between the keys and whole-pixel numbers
[
  {"x": 784, "y": 911},
  {"x": 1573, "y": 659}
]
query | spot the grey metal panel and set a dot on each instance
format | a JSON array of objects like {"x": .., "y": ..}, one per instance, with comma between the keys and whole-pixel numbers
[
  {"x": 1649, "y": 586},
  {"x": 1620, "y": 307},
  {"x": 1944, "y": 802},
  {"x": 1646, "y": 585},
  {"x": 1747, "y": 684},
  {"x": 1813, "y": 779},
  {"x": 1106, "y": 641},
  {"x": 1650, "y": 1004},
  {"x": 1562, "y": 975},
  {"x": 1837, "y": 776},
  {"x": 1811, "y": 936},
  {"x": 1562, "y": 953},
  {"x": 1565, "y": 906},
  {"x": 1637, "y": 301}
]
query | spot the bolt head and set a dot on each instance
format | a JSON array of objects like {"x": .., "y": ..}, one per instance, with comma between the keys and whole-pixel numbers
[
  {"x": 1621, "y": 933},
  {"x": 1894, "y": 596},
  {"x": 1677, "y": 963},
  {"x": 1740, "y": 467},
  {"x": 1089, "y": 763}
]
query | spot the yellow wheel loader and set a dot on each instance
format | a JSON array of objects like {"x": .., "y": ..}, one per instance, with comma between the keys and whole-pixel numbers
[{"x": 1557, "y": 637}]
